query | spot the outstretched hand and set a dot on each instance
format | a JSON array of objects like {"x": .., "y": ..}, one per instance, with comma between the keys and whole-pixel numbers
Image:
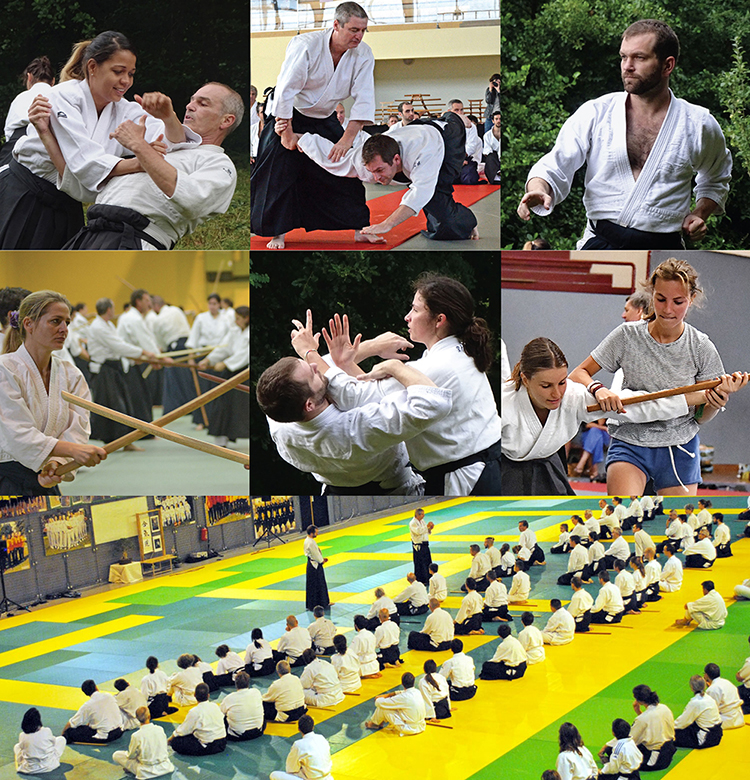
[
  {"x": 303, "y": 338},
  {"x": 157, "y": 104},
  {"x": 730, "y": 383},
  {"x": 129, "y": 134},
  {"x": 382, "y": 370},
  {"x": 339, "y": 344},
  {"x": 532, "y": 199},
  {"x": 388, "y": 346}
]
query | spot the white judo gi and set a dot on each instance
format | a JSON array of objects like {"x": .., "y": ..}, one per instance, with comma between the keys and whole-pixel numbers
[
  {"x": 309, "y": 758},
  {"x": 708, "y": 611},
  {"x": 147, "y": 755},
  {"x": 405, "y": 711}
]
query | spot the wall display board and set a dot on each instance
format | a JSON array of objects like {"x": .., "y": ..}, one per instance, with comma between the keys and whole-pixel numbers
[
  {"x": 117, "y": 519},
  {"x": 175, "y": 510},
  {"x": 150, "y": 533},
  {"x": 65, "y": 531},
  {"x": 226, "y": 509},
  {"x": 275, "y": 514},
  {"x": 14, "y": 546}
]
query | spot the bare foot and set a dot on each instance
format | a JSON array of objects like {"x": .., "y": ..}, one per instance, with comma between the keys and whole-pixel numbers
[
  {"x": 371, "y": 676},
  {"x": 478, "y": 631},
  {"x": 368, "y": 238},
  {"x": 133, "y": 448},
  {"x": 199, "y": 427},
  {"x": 370, "y": 725},
  {"x": 474, "y": 234},
  {"x": 391, "y": 666},
  {"x": 277, "y": 242}
]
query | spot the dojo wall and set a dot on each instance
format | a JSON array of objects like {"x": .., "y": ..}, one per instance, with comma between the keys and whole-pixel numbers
[
  {"x": 577, "y": 322},
  {"x": 179, "y": 277},
  {"x": 454, "y": 58}
]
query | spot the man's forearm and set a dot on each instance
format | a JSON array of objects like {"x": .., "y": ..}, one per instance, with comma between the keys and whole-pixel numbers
[
  {"x": 408, "y": 375},
  {"x": 705, "y": 207},
  {"x": 536, "y": 184},
  {"x": 174, "y": 130},
  {"x": 161, "y": 172},
  {"x": 401, "y": 214},
  {"x": 351, "y": 130}
]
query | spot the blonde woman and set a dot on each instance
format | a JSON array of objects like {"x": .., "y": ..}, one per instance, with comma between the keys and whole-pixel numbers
[{"x": 38, "y": 430}]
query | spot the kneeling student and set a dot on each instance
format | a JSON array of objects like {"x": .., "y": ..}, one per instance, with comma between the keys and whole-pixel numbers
[
  {"x": 608, "y": 607},
  {"x": 531, "y": 640},
  {"x": 580, "y": 606},
  {"x": 495, "y": 600},
  {"x": 561, "y": 627},
  {"x": 509, "y": 661}
]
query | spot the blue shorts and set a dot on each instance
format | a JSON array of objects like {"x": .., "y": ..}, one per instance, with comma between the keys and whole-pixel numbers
[{"x": 655, "y": 462}]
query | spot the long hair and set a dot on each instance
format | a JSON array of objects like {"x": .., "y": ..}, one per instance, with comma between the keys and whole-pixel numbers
[
  {"x": 41, "y": 70},
  {"x": 443, "y": 295},
  {"x": 32, "y": 306},
  {"x": 32, "y": 721},
  {"x": 430, "y": 668},
  {"x": 539, "y": 354},
  {"x": 570, "y": 739},
  {"x": 256, "y": 636},
  {"x": 99, "y": 50}
]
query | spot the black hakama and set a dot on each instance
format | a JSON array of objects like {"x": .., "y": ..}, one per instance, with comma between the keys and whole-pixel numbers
[
  {"x": 288, "y": 190},
  {"x": 446, "y": 219},
  {"x": 18, "y": 480},
  {"x": 113, "y": 227},
  {"x": 540, "y": 477},
  {"x": 110, "y": 388},
  {"x": 488, "y": 484},
  {"x": 499, "y": 670},
  {"x": 655, "y": 760},
  {"x": 34, "y": 214},
  {"x": 229, "y": 414},
  {"x": 6, "y": 150},
  {"x": 422, "y": 561},
  {"x": 693, "y": 736},
  {"x": 316, "y": 592}
]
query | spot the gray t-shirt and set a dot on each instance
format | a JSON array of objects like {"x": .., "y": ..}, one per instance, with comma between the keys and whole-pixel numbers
[{"x": 651, "y": 366}]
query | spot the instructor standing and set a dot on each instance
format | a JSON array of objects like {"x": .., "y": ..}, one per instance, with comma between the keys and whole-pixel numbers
[
  {"x": 420, "y": 546},
  {"x": 317, "y": 590}
]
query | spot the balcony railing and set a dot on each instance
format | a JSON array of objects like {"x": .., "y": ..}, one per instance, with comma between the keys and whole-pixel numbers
[{"x": 268, "y": 15}]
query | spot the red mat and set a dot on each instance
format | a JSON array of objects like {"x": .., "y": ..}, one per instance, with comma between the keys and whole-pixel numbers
[{"x": 380, "y": 208}]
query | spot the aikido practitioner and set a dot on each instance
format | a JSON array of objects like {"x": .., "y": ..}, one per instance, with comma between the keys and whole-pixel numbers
[
  {"x": 284, "y": 701},
  {"x": 743, "y": 678},
  {"x": 387, "y": 636},
  {"x": 709, "y": 611},
  {"x": 700, "y": 554},
  {"x": 493, "y": 554},
  {"x": 98, "y": 720},
  {"x": 699, "y": 725},
  {"x": 183, "y": 682},
  {"x": 528, "y": 540},
  {"x": 480, "y": 565},
  {"x": 38, "y": 750},
  {"x": 652, "y": 730},
  {"x": 203, "y": 732},
  {"x": 495, "y": 600},
  {"x": 722, "y": 537},
  {"x": 653, "y": 575},
  {"x": 38, "y": 430},
  {"x": 641, "y": 583},
  {"x": 404, "y": 710},
  {"x": 642, "y": 540},
  {"x": 638, "y": 187},
  {"x": 509, "y": 660},
  {"x": 147, "y": 755},
  {"x": 574, "y": 761},
  {"x": 243, "y": 711},
  {"x": 429, "y": 153},
  {"x": 459, "y": 671},
  {"x": 608, "y": 607},
  {"x": 322, "y": 631},
  {"x": 413, "y": 599},
  {"x": 288, "y": 190},
  {"x": 531, "y": 640},
  {"x": 520, "y": 585},
  {"x": 580, "y": 605},
  {"x": 577, "y": 561},
  {"x": 308, "y": 757},
  {"x": 618, "y": 550},
  {"x": 725, "y": 694},
  {"x": 507, "y": 562},
  {"x": 671, "y": 575},
  {"x": 320, "y": 681},
  {"x": 435, "y": 692},
  {"x": 363, "y": 646},
  {"x": 562, "y": 546},
  {"x": 621, "y": 755},
  {"x": 438, "y": 586},
  {"x": 437, "y": 632},
  {"x": 129, "y": 699},
  {"x": 542, "y": 411},
  {"x": 469, "y": 617},
  {"x": 420, "y": 545},
  {"x": 381, "y": 602},
  {"x": 704, "y": 518},
  {"x": 561, "y": 626},
  {"x": 258, "y": 655},
  {"x": 625, "y": 583},
  {"x": 346, "y": 664},
  {"x": 316, "y": 590}
]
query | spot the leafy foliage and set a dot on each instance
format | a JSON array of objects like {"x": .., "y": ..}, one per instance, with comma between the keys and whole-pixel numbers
[{"x": 557, "y": 54}]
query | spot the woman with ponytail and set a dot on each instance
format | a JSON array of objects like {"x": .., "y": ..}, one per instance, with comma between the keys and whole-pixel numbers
[
  {"x": 435, "y": 692},
  {"x": 542, "y": 411},
  {"x": 460, "y": 454},
  {"x": 259, "y": 656},
  {"x": 68, "y": 154},
  {"x": 38, "y": 429}
]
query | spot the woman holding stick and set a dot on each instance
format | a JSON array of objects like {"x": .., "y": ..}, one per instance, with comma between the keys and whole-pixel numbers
[
  {"x": 38, "y": 430},
  {"x": 660, "y": 352},
  {"x": 542, "y": 411}
]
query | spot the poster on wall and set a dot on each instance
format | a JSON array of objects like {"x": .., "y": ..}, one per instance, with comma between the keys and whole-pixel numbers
[
  {"x": 226, "y": 509},
  {"x": 65, "y": 531},
  {"x": 14, "y": 547},
  {"x": 117, "y": 519},
  {"x": 175, "y": 510},
  {"x": 150, "y": 533},
  {"x": 275, "y": 514}
]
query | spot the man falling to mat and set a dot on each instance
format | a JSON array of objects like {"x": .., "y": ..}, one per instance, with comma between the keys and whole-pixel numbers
[{"x": 429, "y": 152}]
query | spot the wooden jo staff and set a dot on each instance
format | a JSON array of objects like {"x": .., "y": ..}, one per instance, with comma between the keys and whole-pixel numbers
[
  {"x": 707, "y": 385},
  {"x": 162, "y": 433},
  {"x": 175, "y": 414},
  {"x": 220, "y": 381}
]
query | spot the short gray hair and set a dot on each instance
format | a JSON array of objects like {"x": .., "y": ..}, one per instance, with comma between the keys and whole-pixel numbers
[
  {"x": 231, "y": 104},
  {"x": 640, "y": 300},
  {"x": 103, "y": 305},
  {"x": 345, "y": 11}
]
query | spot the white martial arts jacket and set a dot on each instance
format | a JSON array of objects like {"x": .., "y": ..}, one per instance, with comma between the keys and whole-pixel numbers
[
  {"x": 384, "y": 602},
  {"x": 480, "y": 565},
  {"x": 18, "y": 112},
  {"x": 491, "y": 143},
  {"x": 671, "y": 575},
  {"x": 294, "y": 642},
  {"x": 608, "y": 600},
  {"x": 322, "y": 631},
  {"x": 149, "y": 750},
  {"x": 572, "y": 766},
  {"x": 560, "y": 628},
  {"x": 129, "y": 701},
  {"x": 724, "y": 693},
  {"x": 471, "y": 604},
  {"x": 674, "y": 529},
  {"x": 320, "y": 678},
  {"x": 312, "y": 551},
  {"x": 363, "y": 646},
  {"x": 83, "y": 136},
  {"x": 418, "y": 531},
  {"x": 386, "y": 635},
  {"x": 472, "y": 424},
  {"x": 643, "y": 542},
  {"x": 432, "y": 695},
  {"x": 439, "y": 627},
  {"x": 207, "y": 330},
  {"x": 243, "y": 709},
  {"x": 459, "y": 670},
  {"x": 701, "y": 710},
  {"x": 510, "y": 651},
  {"x": 182, "y": 685},
  {"x": 170, "y": 324},
  {"x": 493, "y": 554},
  {"x": 653, "y": 572},
  {"x": 496, "y": 595},
  {"x": 33, "y": 421},
  {"x": 703, "y": 547},
  {"x": 690, "y": 143},
  {"x": 625, "y": 583},
  {"x": 286, "y": 693},
  {"x": 309, "y": 82},
  {"x": 352, "y": 448},
  {"x": 421, "y": 148},
  {"x": 525, "y": 438},
  {"x": 100, "y": 713},
  {"x": 580, "y": 603},
  {"x": 415, "y": 593},
  {"x": 722, "y": 534},
  {"x": 347, "y": 668},
  {"x": 206, "y": 180},
  {"x": 596, "y": 551},
  {"x": 438, "y": 587},
  {"x": 709, "y": 611},
  {"x": 155, "y": 683},
  {"x": 578, "y": 558},
  {"x": 38, "y": 752},
  {"x": 704, "y": 518},
  {"x": 520, "y": 587},
  {"x": 133, "y": 328},
  {"x": 256, "y": 655},
  {"x": 653, "y": 727},
  {"x": 310, "y": 757},
  {"x": 625, "y": 758},
  {"x": 619, "y": 549},
  {"x": 532, "y": 642},
  {"x": 205, "y": 722},
  {"x": 408, "y": 710}
]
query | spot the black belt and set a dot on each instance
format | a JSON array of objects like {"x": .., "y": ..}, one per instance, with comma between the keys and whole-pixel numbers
[
  {"x": 118, "y": 219},
  {"x": 435, "y": 476},
  {"x": 631, "y": 238}
]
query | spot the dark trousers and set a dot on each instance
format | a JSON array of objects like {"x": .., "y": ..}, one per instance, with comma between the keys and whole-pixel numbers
[
  {"x": 745, "y": 696},
  {"x": 655, "y": 760},
  {"x": 652, "y": 592},
  {"x": 473, "y": 623},
  {"x": 418, "y": 641},
  {"x": 605, "y": 617},
  {"x": 559, "y": 549},
  {"x": 481, "y": 584},
  {"x": 268, "y": 667},
  {"x": 697, "y": 562},
  {"x": 296, "y": 662},
  {"x": 405, "y": 608},
  {"x": 87, "y": 734},
  {"x": 469, "y": 173},
  {"x": 537, "y": 555},
  {"x": 491, "y": 166},
  {"x": 582, "y": 622},
  {"x": 316, "y": 591},
  {"x": 442, "y": 709},
  {"x": 270, "y": 712},
  {"x": 461, "y": 694},
  {"x": 373, "y": 623},
  {"x": 694, "y": 737},
  {"x": 422, "y": 560},
  {"x": 246, "y": 736},
  {"x": 499, "y": 670},
  {"x": 724, "y": 551},
  {"x": 489, "y": 613},
  {"x": 159, "y": 706},
  {"x": 189, "y": 745},
  {"x": 389, "y": 655},
  {"x": 564, "y": 579},
  {"x": 210, "y": 679}
]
